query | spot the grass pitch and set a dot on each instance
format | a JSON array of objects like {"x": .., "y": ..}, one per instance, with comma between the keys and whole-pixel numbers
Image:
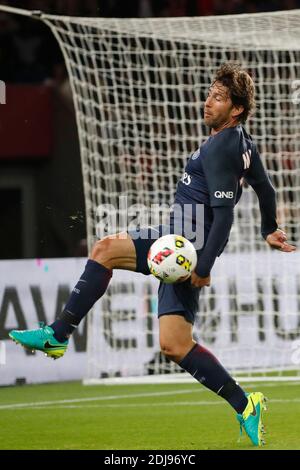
[{"x": 185, "y": 416}]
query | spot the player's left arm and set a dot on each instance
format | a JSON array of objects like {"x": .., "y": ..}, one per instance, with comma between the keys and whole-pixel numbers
[{"x": 260, "y": 182}]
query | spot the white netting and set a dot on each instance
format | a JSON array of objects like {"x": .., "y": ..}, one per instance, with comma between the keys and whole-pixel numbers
[{"x": 138, "y": 87}]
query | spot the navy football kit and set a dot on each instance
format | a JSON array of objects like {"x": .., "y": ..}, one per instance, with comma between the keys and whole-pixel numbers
[{"x": 212, "y": 177}]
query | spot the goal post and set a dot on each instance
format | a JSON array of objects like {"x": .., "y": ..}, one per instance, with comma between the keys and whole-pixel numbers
[{"x": 138, "y": 86}]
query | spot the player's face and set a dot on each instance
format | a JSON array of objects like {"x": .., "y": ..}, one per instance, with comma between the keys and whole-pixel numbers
[{"x": 219, "y": 111}]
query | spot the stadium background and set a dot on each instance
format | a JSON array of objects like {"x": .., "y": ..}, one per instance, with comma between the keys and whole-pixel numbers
[
  {"x": 39, "y": 143},
  {"x": 41, "y": 191}
]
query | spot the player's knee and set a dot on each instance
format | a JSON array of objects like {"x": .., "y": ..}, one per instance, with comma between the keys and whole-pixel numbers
[
  {"x": 171, "y": 350},
  {"x": 102, "y": 252}
]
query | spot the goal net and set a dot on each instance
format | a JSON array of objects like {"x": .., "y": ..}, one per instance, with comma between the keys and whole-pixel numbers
[{"x": 138, "y": 88}]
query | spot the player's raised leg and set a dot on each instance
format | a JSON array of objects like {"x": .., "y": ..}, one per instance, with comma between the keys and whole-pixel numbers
[
  {"x": 116, "y": 251},
  {"x": 177, "y": 344}
]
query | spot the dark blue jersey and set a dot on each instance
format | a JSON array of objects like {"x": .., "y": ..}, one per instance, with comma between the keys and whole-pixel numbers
[
  {"x": 213, "y": 177},
  {"x": 213, "y": 173}
]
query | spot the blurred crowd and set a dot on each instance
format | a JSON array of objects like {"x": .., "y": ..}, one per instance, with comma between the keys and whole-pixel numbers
[
  {"x": 30, "y": 54},
  {"x": 148, "y": 8}
]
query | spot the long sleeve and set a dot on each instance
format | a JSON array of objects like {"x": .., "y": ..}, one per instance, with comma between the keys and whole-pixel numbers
[
  {"x": 222, "y": 167},
  {"x": 267, "y": 204},
  {"x": 217, "y": 238},
  {"x": 260, "y": 182}
]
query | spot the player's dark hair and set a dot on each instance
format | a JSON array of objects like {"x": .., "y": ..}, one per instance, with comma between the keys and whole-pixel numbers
[{"x": 240, "y": 85}]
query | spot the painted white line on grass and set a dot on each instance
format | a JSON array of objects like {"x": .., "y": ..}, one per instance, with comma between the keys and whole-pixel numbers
[
  {"x": 258, "y": 385},
  {"x": 135, "y": 395},
  {"x": 108, "y": 397},
  {"x": 156, "y": 405},
  {"x": 68, "y": 403},
  {"x": 134, "y": 405}
]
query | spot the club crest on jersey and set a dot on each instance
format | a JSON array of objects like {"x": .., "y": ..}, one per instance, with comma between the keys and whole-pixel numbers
[{"x": 196, "y": 154}]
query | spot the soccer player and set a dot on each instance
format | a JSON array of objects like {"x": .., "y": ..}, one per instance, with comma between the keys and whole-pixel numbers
[{"x": 213, "y": 177}]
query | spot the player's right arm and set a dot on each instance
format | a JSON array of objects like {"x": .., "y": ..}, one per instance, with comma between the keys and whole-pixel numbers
[{"x": 222, "y": 168}]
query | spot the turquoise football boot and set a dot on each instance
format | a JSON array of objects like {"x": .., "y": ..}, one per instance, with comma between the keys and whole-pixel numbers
[
  {"x": 251, "y": 418},
  {"x": 41, "y": 339}
]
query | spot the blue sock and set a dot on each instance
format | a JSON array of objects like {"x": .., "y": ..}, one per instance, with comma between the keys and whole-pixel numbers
[
  {"x": 205, "y": 367},
  {"x": 90, "y": 287}
]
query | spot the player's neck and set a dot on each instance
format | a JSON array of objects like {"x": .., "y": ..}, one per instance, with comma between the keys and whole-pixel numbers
[{"x": 225, "y": 125}]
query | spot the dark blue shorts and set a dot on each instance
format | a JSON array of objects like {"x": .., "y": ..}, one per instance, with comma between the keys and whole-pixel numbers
[{"x": 181, "y": 299}]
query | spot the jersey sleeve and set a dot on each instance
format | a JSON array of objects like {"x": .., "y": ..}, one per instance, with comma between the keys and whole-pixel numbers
[
  {"x": 257, "y": 177},
  {"x": 256, "y": 173},
  {"x": 222, "y": 169}
]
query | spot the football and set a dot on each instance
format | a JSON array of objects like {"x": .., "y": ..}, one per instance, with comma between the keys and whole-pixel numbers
[{"x": 172, "y": 258}]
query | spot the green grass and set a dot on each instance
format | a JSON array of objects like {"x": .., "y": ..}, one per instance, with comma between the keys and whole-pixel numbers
[{"x": 184, "y": 416}]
